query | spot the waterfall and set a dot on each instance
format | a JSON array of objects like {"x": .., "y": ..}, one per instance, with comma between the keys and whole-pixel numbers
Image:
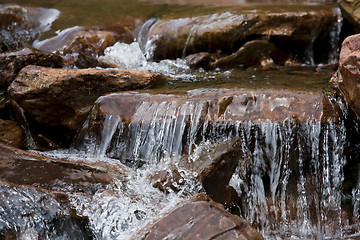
[{"x": 290, "y": 177}]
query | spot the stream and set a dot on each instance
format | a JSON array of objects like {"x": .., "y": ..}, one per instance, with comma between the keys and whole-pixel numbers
[{"x": 298, "y": 173}]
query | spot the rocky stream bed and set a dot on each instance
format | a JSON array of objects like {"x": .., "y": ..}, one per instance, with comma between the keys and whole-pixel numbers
[{"x": 179, "y": 119}]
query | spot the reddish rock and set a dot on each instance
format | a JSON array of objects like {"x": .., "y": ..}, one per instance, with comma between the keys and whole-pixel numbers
[
  {"x": 199, "y": 220},
  {"x": 348, "y": 77},
  {"x": 11, "y": 63},
  {"x": 63, "y": 97},
  {"x": 199, "y": 60},
  {"x": 11, "y": 133}
]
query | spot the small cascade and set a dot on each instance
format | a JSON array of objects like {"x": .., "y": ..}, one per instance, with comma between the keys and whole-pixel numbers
[{"x": 290, "y": 176}]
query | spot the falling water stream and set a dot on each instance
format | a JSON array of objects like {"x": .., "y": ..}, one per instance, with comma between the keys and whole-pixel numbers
[{"x": 290, "y": 176}]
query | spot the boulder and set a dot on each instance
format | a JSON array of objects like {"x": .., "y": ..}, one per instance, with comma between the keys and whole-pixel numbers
[
  {"x": 199, "y": 60},
  {"x": 293, "y": 29},
  {"x": 143, "y": 126},
  {"x": 351, "y": 11},
  {"x": 78, "y": 44},
  {"x": 11, "y": 133},
  {"x": 348, "y": 75},
  {"x": 11, "y": 63},
  {"x": 199, "y": 220},
  {"x": 63, "y": 97},
  {"x": 20, "y": 26}
]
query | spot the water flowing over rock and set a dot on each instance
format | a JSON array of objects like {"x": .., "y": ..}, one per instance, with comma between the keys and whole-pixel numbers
[
  {"x": 347, "y": 77},
  {"x": 63, "y": 97},
  {"x": 80, "y": 42},
  {"x": 20, "y": 26},
  {"x": 143, "y": 126},
  {"x": 200, "y": 220},
  {"x": 11, "y": 63},
  {"x": 294, "y": 32}
]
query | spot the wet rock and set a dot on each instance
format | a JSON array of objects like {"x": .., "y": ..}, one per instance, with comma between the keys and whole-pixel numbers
[
  {"x": 250, "y": 54},
  {"x": 80, "y": 42},
  {"x": 215, "y": 165},
  {"x": 11, "y": 133},
  {"x": 292, "y": 31},
  {"x": 181, "y": 122},
  {"x": 20, "y": 26},
  {"x": 199, "y": 220},
  {"x": 31, "y": 169},
  {"x": 199, "y": 60},
  {"x": 63, "y": 97},
  {"x": 11, "y": 63},
  {"x": 165, "y": 180},
  {"x": 351, "y": 11},
  {"x": 348, "y": 74}
]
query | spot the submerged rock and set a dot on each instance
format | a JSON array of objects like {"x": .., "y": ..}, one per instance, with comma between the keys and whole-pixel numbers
[
  {"x": 348, "y": 74},
  {"x": 20, "y": 26},
  {"x": 11, "y": 133},
  {"x": 63, "y": 97},
  {"x": 292, "y": 31},
  {"x": 11, "y": 63},
  {"x": 199, "y": 220}
]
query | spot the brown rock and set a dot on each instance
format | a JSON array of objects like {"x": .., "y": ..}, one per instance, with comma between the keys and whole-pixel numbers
[
  {"x": 165, "y": 180},
  {"x": 24, "y": 168},
  {"x": 199, "y": 60},
  {"x": 351, "y": 12},
  {"x": 250, "y": 54},
  {"x": 348, "y": 73},
  {"x": 215, "y": 166},
  {"x": 20, "y": 26},
  {"x": 11, "y": 133},
  {"x": 199, "y": 220},
  {"x": 11, "y": 63},
  {"x": 63, "y": 97},
  {"x": 295, "y": 29}
]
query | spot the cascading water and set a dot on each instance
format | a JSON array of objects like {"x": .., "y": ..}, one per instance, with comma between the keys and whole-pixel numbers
[{"x": 289, "y": 177}]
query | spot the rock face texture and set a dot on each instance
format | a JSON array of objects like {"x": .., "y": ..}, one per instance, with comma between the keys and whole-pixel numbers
[
  {"x": 11, "y": 63},
  {"x": 11, "y": 133},
  {"x": 351, "y": 11},
  {"x": 292, "y": 32},
  {"x": 200, "y": 220},
  {"x": 56, "y": 97},
  {"x": 348, "y": 75}
]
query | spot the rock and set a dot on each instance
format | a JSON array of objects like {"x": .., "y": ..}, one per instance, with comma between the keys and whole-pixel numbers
[
  {"x": 292, "y": 30},
  {"x": 84, "y": 42},
  {"x": 250, "y": 54},
  {"x": 351, "y": 12},
  {"x": 11, "y": 63},
  {"x": 215, "y": 165},
  {"x": 199, "y": 220},
  {"x": 20, "y": 26},
  {"x": 11, "y": 133},
  {"x": 63, "y": 97},
  {"x": 348, "y": 74},
  {"x": 147, "y": 126},
  {"x": 199, "y": 60},
  {"x": 165, "y": 180},
  {"x": 31, "y": 169}
]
